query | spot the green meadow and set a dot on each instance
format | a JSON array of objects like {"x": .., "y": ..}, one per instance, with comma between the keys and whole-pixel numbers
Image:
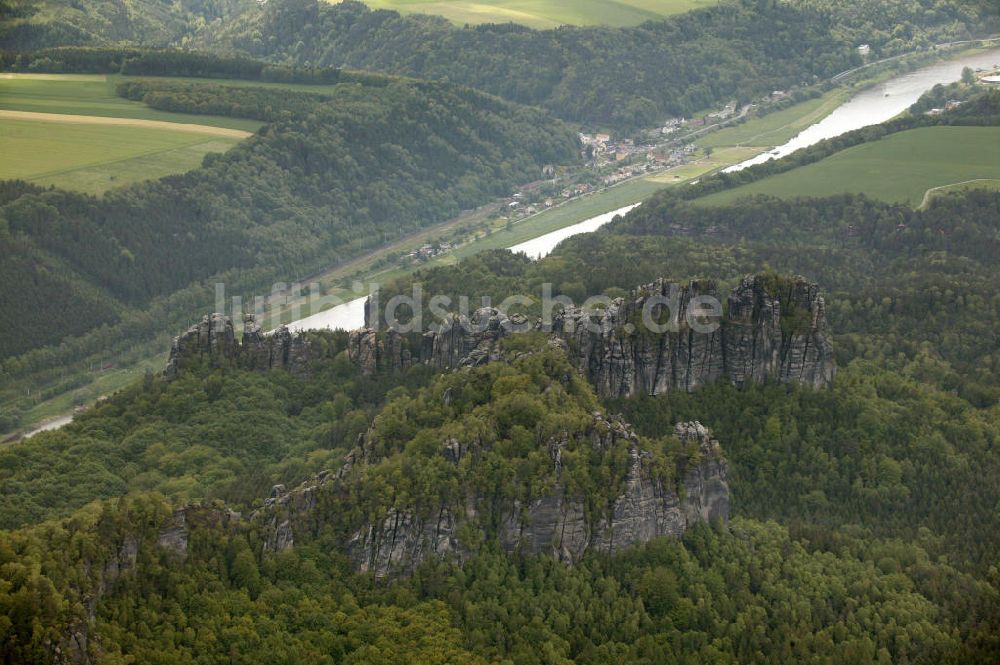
[
  {"x": 545, "y": 13},
  {"x": 900, "y": 168},
  {"x": 91, "y": 157},
  {"x": 95, "y": 158},
  {"x": 93, "y": 95}
]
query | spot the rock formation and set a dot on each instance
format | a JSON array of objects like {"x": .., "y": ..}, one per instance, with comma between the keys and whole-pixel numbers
[
  {"x": 459, "y": 341},
  {"x": 214, "y": 341},
  {"x": 772, "y": 329},
  {"x": 556, "y": 524}
]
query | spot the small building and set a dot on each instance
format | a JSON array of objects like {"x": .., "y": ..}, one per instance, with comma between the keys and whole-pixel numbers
[
  {"x": 865, "y": 50},
  {"x": 991, "y": 80},
  {"x": 727, "y": 112}
]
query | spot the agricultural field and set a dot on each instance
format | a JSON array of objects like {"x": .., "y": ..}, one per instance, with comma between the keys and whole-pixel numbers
[
  {"x": 900, "y": 168},
  {"x": 74, "y": 132},
  {"x": 545, "y": 13},
  {"x": 96, "y": 157},
  {"x": 85, "y": 94}
]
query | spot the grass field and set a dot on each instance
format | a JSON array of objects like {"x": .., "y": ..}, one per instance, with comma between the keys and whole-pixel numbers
[
  {"x": 779, "y": 127},
  {"x": 545, "y": 13},
  {"x": 900, "y": 168},
  {"x": 95, "y": 158},
  {"x": 719, "y": 159},
  {"x": 92, "y": 95},
  {"x": 73, "y": 154}
]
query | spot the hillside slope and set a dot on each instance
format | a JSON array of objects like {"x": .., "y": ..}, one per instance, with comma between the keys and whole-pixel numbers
[
  {"x": 623, "y": 77},
  {"x": 331, "y": 175}
]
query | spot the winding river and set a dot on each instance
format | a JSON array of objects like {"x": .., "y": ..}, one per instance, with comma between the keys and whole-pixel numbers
[
  {"x": 869, "y": 107},
  {"x": 878, "y": 104}
]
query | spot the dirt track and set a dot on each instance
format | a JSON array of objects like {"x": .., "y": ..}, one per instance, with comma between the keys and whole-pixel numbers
[{"x": 125, "y": 122}]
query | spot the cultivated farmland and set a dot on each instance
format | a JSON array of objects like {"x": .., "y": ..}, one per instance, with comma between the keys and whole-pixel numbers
[
  {"x": 900, "y": 168},
  {"x": 545, "y": 13},
  {"x": 75, "y": 133}
]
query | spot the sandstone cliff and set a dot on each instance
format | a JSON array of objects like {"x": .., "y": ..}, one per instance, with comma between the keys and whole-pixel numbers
[
  {"x": 771, "y": 329},
  {"x": 556, "y": 523},
  {"x": 213, "y": 340}
]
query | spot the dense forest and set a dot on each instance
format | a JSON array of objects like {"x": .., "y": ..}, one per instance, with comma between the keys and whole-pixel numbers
[
  {"x": 877, "y": 545},
  {"x": 331, "y": 175},
  {"x": 864, "y": 517},
  {"x": 622, "y": 77},
  {"x": 27, "y": 24}
]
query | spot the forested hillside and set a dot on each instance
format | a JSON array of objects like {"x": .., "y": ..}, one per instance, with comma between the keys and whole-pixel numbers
[
  {"x": 831, "y": 495},
  {"x": 865, "y": 515},
  {"x": 26, "y": 24},
  {"x": 621, "y": 77},
  {"x": 332, "y": 174},
  {"x": 624, "y": 77}
]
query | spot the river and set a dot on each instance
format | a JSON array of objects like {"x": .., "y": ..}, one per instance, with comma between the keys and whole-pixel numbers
[
  {"x": 351, "y": 314},
  {"x": 541, "y": 246},
  {"x": 878, "y": 104},
  {"x": 869, "y": 107}
]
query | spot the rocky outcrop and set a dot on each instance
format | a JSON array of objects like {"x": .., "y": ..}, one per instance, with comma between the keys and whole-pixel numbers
[
  {"x": 776, "y": 329},
  {"x": 556, "y": 523},
  {"x": 771, "y": 329},
  {"x": 213, "y": 340},
  {"x": 401, "y": 541},
  {"x": 659, "y": 338},
  {"x": 459, "y": 341},
  {"x": 621, "y": 356},
  {"x": 647, "y": 508}
]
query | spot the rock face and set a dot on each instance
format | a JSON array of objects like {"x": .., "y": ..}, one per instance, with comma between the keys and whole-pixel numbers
[
  {"x": 460, "y": 341},
  {"x": 556, "y": 524},
  {"x": 776, "y": 329},
  {"x": 659, "y": 338},
  {"x": 214, "y": 340},
  {"x": 772, "y": 329}
]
